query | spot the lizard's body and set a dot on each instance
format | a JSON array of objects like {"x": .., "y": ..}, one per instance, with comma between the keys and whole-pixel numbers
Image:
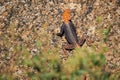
[{"x": 69, "y": 31}]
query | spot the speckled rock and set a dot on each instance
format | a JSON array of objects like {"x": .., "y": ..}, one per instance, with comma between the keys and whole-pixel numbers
[{"x": 24, "y": 22}]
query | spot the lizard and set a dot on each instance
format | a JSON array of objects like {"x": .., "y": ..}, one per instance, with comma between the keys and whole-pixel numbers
[{"x": 69, "y": 31}]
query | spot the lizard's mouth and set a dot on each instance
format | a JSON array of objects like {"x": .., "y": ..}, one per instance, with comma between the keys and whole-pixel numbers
[{"x": 66, "y": 15}]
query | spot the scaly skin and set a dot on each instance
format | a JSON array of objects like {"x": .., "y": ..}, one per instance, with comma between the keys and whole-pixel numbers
[{"x": 69, "y": 31}]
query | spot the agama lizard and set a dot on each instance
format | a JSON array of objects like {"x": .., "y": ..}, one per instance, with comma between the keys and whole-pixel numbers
[{"x": 69, "y": 31}]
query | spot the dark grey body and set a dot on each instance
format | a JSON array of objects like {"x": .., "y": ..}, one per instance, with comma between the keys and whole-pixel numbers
[{"x": 69, "y": 31}]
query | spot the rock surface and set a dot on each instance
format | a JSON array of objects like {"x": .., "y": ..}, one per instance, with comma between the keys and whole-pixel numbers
[{"x": 23, "y": 21}]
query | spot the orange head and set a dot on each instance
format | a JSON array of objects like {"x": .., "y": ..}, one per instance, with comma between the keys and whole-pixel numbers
[{"x": 66, "y": 16}]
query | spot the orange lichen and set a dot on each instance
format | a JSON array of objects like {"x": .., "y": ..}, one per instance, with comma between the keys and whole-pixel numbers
[{"x": 66, "y": 16}]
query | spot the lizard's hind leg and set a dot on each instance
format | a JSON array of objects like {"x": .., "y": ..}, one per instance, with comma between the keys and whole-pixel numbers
[
  {"x": 82, "y": 40},
  {"x": 65, "y": 49},
  {"x": 68, "y": 47}
]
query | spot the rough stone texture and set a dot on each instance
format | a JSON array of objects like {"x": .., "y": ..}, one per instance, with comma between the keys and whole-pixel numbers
[{"x": 27, "y": 19}]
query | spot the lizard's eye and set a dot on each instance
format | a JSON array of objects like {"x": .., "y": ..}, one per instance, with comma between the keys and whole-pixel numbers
[{"x": 66, "y": 15}]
